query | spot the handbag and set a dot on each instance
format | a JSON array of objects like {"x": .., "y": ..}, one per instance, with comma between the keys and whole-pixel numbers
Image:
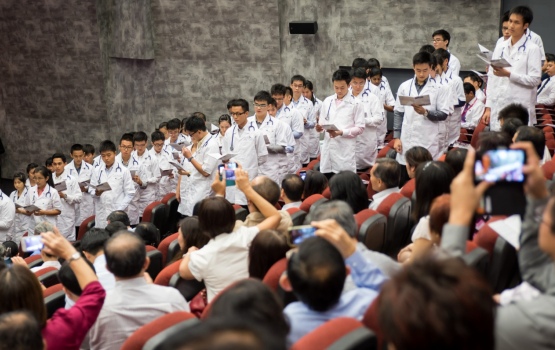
[{"x": 198, "y": 303}]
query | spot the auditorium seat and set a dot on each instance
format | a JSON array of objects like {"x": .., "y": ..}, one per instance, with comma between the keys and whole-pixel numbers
[
  {"x": 341, "y": 333},
  {"x": 164, "y": 246},
  {"x": 327, "y": 193},
  {"x": 371, "y": 229},
  {"x": 165, "y": 276},
  {"x": 396, "y": 208},
  {"x": 548, "y": 169},
  {"x": 297, "y": 216},
  {"x": 315, "y": 199},
  {"x": 504, "y": 270},
  {"x": 313, "y": 164},
  {"x": 240, "y": 212},
  {"x": 170, "y": 200},
  {"x": 475, "y": 136},
  {"x": 486, "y": 236},
  {"x": 86, "y": 225},
  {"x": 54, "y": 299},
  {"x": 187, "y": 288},
  {"x": 386, "y": 151},
  {"x": 48, "y": 276},
  {"x": 271, "y": 279},
  {"x": 34, "y": 261},
  {"x": 370, "y": 320},
  {"x": 408, "y": 189},
  {"x": 156, "y": 264},
  {"x": 156, "y": 214}
]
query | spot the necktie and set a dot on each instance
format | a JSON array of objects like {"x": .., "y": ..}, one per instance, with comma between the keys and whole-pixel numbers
[
  {"x": 543, "y": 86},
  {"x": 463, "y": 115}
]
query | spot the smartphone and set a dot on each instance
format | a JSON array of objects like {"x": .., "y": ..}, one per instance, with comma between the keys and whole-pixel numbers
[
  {"x": 229, "y": 169},
  {"x": 31, "y": 244},
  {"x": 302, "y": 174},
  {"x": 297, "y": 234},
  {"x": 501, "y": 165}
]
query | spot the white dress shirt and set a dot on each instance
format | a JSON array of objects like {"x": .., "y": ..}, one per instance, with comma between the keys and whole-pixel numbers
[
  {"x": 291, "y": 205},
  {"x": 379, "y": 197},
  {"x": 546, "y": 92},
  {"x": 7, "y": 216}
]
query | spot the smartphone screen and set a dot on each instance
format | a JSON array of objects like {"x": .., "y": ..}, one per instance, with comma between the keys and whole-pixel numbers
[
  {"x": 229, "y": 169},
  {"x": 31, "y": 244},
  {"x": 297, "y": 234},
  {"x": 502, "y": 165},
  {"x": 302, "y": 174}
]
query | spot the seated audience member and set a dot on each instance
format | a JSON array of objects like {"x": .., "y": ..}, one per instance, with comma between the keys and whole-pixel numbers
[
  {"x": 20, "y": 290},
  {"x": 292, "y": 188},
  {"x": 450, "y": 307},
  {"x": 347, "y": 186},
  {"x": 133, "y": 302},
  {"x": 491, "y": 140},
  {"x": 514, "y": 110},
  {"x": 537, "y": 137},
  {"x": 224, "y": 259},
  {"x": 455, "y": 158},
  {"x": 342, "y": 213},
  {"x": 92, "y": 246},
  {"x": 253, "y": 301},
  {"x": 189, "y": 236},
  {"x": 414, "y": 157},
  {"x": 314, "y": 183},
  {"x": 316, "y": 275},
  {"x": 149, "y": 233},
  {"x": 19, "y": 330},
  {"x": 121, "y": 216},
  {"x": 267, "y": 248},
  {"x": 525, "y": 324},
  {"x": 114, "y": 227},
  {"x": 384, "y": 179},
  {"x": 473, "y": 108},
  {"x": 546, "y": 90},
  {"x": 510, "y": 126}
]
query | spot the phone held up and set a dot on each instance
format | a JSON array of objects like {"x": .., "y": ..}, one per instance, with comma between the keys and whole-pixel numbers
[{"x": 229, "y": 169}]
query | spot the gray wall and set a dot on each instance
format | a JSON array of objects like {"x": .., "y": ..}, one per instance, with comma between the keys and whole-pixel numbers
[{"x": 82, "y": 71}]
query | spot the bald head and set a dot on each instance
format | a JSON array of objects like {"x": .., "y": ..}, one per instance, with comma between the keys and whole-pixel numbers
[
  {"x": 126, "y": 255},
  {"x": 266, "y": 188}
]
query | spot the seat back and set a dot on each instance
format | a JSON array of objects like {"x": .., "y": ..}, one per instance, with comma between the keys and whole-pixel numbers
[
  {"x": 548, "y": 169},
  {"x": 271, "y": 279},
  {"x": 297, "y": 216},
  {"x": 171, "y": 202},
  {"x": 478, "y": 258},
  {"x": 371, "y": 229},
  {"x": 173, "y": 250},
  {"x": 313, "y": 164},
  {"x": 54, "y": 299},
  {"x": 240, "y": 212},
  {"x": 504, "y": 270},
  {"x": 338, "y": 334},
  {"x": 187, "y": 288},
  {"x": 164, "y": 246},
  {"x": 34, "y": 261},
  {"x": 48, "y": 276},
  {"x": 310, "y": 201},
  {"x": 408, "y": 189},
  {"x": 156, "y": 261},
  {"x": 165, "y": 276},
  {"x": 486, "y": 236},
  {"x": 159, "y": 217},
  {"x": 170, "y": 324},
  {"x": 476, "y": 135},
  {"x": 396, "y": 208},
  {"x": 86, "y": 225}
]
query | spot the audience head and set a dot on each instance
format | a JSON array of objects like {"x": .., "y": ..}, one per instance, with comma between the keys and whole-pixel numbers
[
  {"x": 292, "y": 187},
  {"x": 514, "y": 110},
  {"x": 114, "y": 227},
  {"x": 216, "y": 216},
  {"x": 492, "y": 140},
  {"x": 534, "y": 135},
  {"x": 347, "y": 186},
  {"x": 149, "y": 233},
  {"x": 12, "y": 249},
  {"x": 414, "y": 157},
  {"x": 93, "y": 242},
  {"x": 469, "y": 92},
  {"x": 314, "y": 183},
  {"x": 126, "y": 255},
  {"x": 385, "y": 174},
  {"x": 432, "y": 180},
  {"x": 42, "y": 227},
  {"x": 511, "y": 126},
  {"x": 19, "y": 330},
  {"x": 69, "y": 281},
  {"x": 190, "y": 235},
  {"x": 267, "y": 189},
  {"x": 268, "y": 247},
  {"x": 119, "y": 215},
  {"x": 426, "y": 289},
  {"x": 338, "y": 211},
  {"x": 455, "y": 158}
]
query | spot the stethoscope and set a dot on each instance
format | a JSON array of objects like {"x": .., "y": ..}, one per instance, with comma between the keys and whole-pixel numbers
[
  {"x": 116, "y": 170},
  {"x": 329, "y": 107},
  {"x": 47, "y": 194},
  {"x": 23, "y": 194},
  {"x": 523, "y": 47}
]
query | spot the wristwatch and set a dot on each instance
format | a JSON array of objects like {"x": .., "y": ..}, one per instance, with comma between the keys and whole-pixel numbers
[
  {"x": 189, "y": 159},
  {"x": 74, "y": 256}
]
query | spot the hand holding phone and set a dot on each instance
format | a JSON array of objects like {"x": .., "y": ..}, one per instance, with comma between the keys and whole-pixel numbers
[
  {"x": 31, "y": 243},
  {"x": 228, "y": 170},
  {"x": 302, "y": 174},
  {"x": 297, "y": 234}
]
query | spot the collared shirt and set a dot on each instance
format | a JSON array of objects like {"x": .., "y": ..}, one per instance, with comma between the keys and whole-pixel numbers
[
  {"x": 379, "y": 197},
  {"x": 55, "y": 264},
  {"x": 291, "y": 205}
]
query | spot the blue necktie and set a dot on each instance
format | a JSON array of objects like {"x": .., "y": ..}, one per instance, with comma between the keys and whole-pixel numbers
[{"x": 543, "y": 86}]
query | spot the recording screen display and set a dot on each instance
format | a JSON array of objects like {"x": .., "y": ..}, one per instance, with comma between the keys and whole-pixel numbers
[{"x": 503, "y": 165}]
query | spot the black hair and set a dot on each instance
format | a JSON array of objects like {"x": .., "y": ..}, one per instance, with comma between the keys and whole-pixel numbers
[
  {"x": 491, "y": 140},
  {"x": 157, "y": 136},
  {"x": 94, "y": 239},
  {"x": 444, "y": 34},
  {"x": 288, "y": 91},
  {"x": 422, "y": 58},
  {"x": 126, "y": 137},
  {"x": 59, "y": 155},
  {"x": 374, "y": 63},
  {"x": 525, "y": 12},
  {"x": 505, "y": 16},
  {"x": 468, "y": 88},
  {"x": 224, "y": 117},
  {"x": 239, "y": 103},
  {"x": 534, "y": 135},
  {"x": 341, "y": 75},
  {"x": 125, "y": 254},
  {"x": 69, "y": 280},
  {"x": 293, "y": 186},
  {"x": 510, "y": 126},
  {"x": 416, "y": 155},
  {"x": 317, "y": 274},
  {"x": 174, "y": 124},
  {"x": 427, "y": 48},
  {"x": 375, "y": 71},
  {"x": 88, "y": 148},
  {"x": 514, "y": 110},
  {"x": 31, "y": 166},
  {"x": 194, "y": 124},
  {"x": 432, "y": 180},
  {"x": 263, "y": 96},
  {"x": 149, "y": 232},
  {"x": 441, "y": 55},
  {"x": 549, "y": 57},
  {"x": 14, "y": 248},
  {"x": 475, "y": 78},
  {"x": 76, "y": 147},
  {"x": 360, "y": 63},
  {"x": 298, "y": 77},
  {"x": 140, "y": 136},
  {"x": 347, "y": 186},
  {"x": 359, "y": 73},
  {"x": 119, "y": 215},
  {"x": 310, "y": 87},
  {"x": 455, "y": 158},
  {"x": 114, "y": 227},
  {"x": 107, "y": 146},
  {"x": 46, "y": 173},
  {"x": 272, "y": 102},
  {"x": 388, "y": 170},
  {"x": 20, "y": 176},
  {"x": 277, "y": 89},
  {"x": 162, "y": 125},
  {"x": 199, "y": 115},
  {"x": 48, "y": 161},
  {"x": 19, "y": 330},
  {"x": 314, "y": 183}
]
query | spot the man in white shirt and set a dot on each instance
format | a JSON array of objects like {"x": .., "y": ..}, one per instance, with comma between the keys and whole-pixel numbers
[
  {"x": 303, "y": 104},
  {"x": 546, "y": 91},
  {"x": 7, "y": 216},
  {"x": 133, "y": 302},
  {"x": 83, "y": 172},
  {"x": 70, "y": 197},
  {"x": 473, "y": 108},
  {"x": 161, "y": 157},
  {"x": 441, "y": 40},
  {"x": 384, "y": 179}
]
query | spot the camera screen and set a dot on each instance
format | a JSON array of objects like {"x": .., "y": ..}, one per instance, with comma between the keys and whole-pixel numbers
[
  {"x": 229, "y": 170},
  {"x": 500, "y": 165},
  {"x": 300, "y": 233},
  {"x": 302, "y": 174},
  {"x": 33, "y": 243}
]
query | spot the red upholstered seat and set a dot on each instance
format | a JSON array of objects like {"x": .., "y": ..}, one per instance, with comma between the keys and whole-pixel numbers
[
  {"x": 312, "y": 164},
  {"x": 147, "y": 214},
  {"x": 371, "y": 229},
  {"x": 84, "y": 227},
  {"x": 164, "y": 245},
  {"x": 370, "y": 320},
  {"x": 155, "y": 265},
  {"x": 486, "y": 236},
  {"x": 297, "y": 216},
  {"x": 308, "y": 202},
  {"x": 339, "y": 333},
  {"x": 475, "y": 136},
  {"x": 48, "y": 276},
  {"x": 396, "y": 208},
  {"x": 327, "y": 193},
  {"x": 33, "y": 261},
  {"x": 164, "y": 277},
  {"x": 408, "y": 189},
  {"x": 274, "y": 273},
  {"x": 54, "y": 299},
  {"x": 52, "y": 290},
  {"x": 470, "y": 246}
]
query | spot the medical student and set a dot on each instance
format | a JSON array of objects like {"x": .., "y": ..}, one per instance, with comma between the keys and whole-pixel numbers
[
  {"x": 30, "y": 183},
  {"x": 174, "y": 130},
  {"x": 455, "y": 84},
  {"x": 280, "y": 141},
  {"x": 19, "y": 197},
  {"x": 224, "y": 123},
  {"x": 293, "y": 117},
  {"x": 45, "y": 197},
  {"x": 441, "y": 40},
  {"x": 83, "y": 172},
  {"x": 120, "y": 181},
  {"x": 70, "y": 198},
  {"x": 297, "y": 85},
  {"x": 344, "y": 111},
  {"x": 546, "y": 91},
  {"x": 477, "y": 82},
  {"x": 163, "y": 128},
  {"x": 7, "y": 217},
  {"x": 313, "y": 148},
  {"x": 367, "y": 142},
  {"x": 126, "y": 158},
  {"x": 421, "y": 125},
  {"x": 147, "y": 178},
  {"x": 383, "y": 91},
  {"x": 162, "y": 157},
  {"x": 374, "y": 63},
  {"x": 473, "y": 108},
  {"x": 244, "y": 140},
  {"x": 203, "y": 168},
  {"x": 518, "y": 83},
  {"x": 506, "y": 34}
]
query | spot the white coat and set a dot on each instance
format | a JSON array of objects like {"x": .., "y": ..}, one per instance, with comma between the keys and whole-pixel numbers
[
  {"x": 248, "y": 143},
  {"x": 417, "y": 130},
  {"x": 456, "y": 86},
  {"x": 49, "y": 199},
  {"x": 133, "y": 164},
  {"x": 280, "y": 134},
  {"x": 162, "y": 161},
  {"x": 118, "y": 197},
  {"x": 293, "y": 117},
  {"x": 454, "y": 67},
  {"x": 7, "y": 217},
  {"x": 313, "y": 136},
  {"x": 196, "y": 187},
  {"x": 21, "y": 221},
  {"x": 339, "y": 153},
  {"x": 525, "y": 59},
  {"x": 546, "y": 92},
  {"x": 149, "y": 173},
  {"x": 66, "y": 220},
  {"x": 305, "y": 106},
  {"x": 85, "y": 209},
  {"x": 383, "y": 91},
  {"x": 367, "y": 142},
  {"x": 97, "y": 161}
]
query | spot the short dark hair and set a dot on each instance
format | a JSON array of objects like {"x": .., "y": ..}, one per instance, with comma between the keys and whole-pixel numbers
[
  {"x": 224, "y": 117},
  {"x": 162, "y": 125},
  {"x": 59, "y": 155},
  {"x": 20, "y": 176},
  {"x": 69, "y": 280},
  {"x": 288, "y": 91},
  {"x": 94, "y": 239},
  {"x": 199, "y": 115},
  {"x": 174, "y": 124},
  {"x": 360, "y": 63},
  {"x": 510, "y": 126},
  {"x": 422, "y": 58},
  {"x": 239, "y": 102},
  {"x": 432, "y": 180},
  {"x": 317, "y": 274},
  {"x": 107, "y": 146},
  {"x": 216, "y": 216},
  {"x": 314, "y": 183},
  {"x": 157, "y": 136},
  {"x": 194, "y": 124},
  {"x": 416, "y": 155},
  {"x": 19, "y": 330},
  {"x": 125, "y": 254},
  {"x": 149, "y": 233},
  {"x": 267, "y": 248},
  {"x": 534, "y": 135},
  {"x": 277, "y": 89},
  {"x": 348, "y": 186},
  {"x": 525, "y": 12},
  {"x": 388, "y": 170},
  {"x": 267, "y": 189},
  {"x": 31, "y": 166},
  {"x": 514, "y": 110},
  {"x": 126, "y": 137},
  {"x": 293, "y": 186},
  {"x": 468, "y": 88},
  {"x": 76, "y": 147},
  {"x": 48, "y": 161},
  {"x": 140, "y": 136},
  {"x": 475, "y": 78},
  {"x": 263, "y": 96},
  {"x": 298, "y": 77},
  {"x": 341, "y": 75},
  {"x": 549, "y": 57},
  {"x": 119, "y": 215},
  {"x": 441, "y": 55},
  {"x": 455, "y": 158},
  {"x": 373, "y": 62},
  {"x": 375, "y": 71},
  {"x": 427, "y": 48},
  {"x": 505, "y": 16},
  {"x": 114, "y": 227},
  {"x": 88, "y": 148},
  {"x": 444, "y": 34},
  {"x": 359, "y": 73}
]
